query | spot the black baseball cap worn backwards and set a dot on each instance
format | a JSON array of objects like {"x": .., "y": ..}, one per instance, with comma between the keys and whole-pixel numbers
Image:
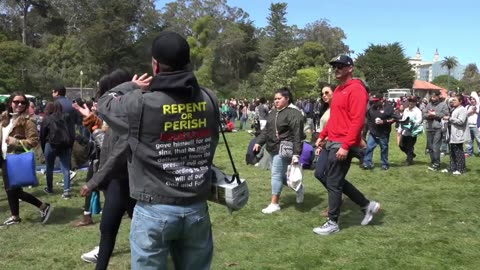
[
  {"x": 342, "y": 59},
  {"x": 171, "y": 49}
]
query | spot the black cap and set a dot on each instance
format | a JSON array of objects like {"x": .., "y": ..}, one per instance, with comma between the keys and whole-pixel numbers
[
  {"x": 171, "y": 49},
  {"x": 342, "y": 59},
  {"x": 412, "y": 99},
  {"x": 437, "y": 93}
]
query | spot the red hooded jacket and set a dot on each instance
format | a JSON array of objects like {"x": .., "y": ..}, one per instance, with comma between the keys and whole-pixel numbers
[{"x": 347, "y": 110}]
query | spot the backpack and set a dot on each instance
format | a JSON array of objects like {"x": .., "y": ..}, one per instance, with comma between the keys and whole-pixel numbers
[{"x": 58, "y": 133}]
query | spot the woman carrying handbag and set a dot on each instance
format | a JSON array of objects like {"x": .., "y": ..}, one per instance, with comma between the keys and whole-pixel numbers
[
  {"x": 18, "y": 132},
  {"x": 282, "y": 137}
]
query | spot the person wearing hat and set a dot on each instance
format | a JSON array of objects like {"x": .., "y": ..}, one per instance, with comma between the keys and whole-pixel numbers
[
  {"x": 172, "y": 126},
  {"x": 433, "y": 114},
  {"x": 379, "y": 123},
  {"x": 410, "y": 127},
  {"x": 341, "y": 139}
]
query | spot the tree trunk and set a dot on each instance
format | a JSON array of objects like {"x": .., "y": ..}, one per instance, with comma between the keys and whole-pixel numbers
[{"x": 25, "y": 7}]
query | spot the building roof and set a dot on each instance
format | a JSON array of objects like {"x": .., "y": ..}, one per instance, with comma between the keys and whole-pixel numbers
[{"x": 424, "y": 85}]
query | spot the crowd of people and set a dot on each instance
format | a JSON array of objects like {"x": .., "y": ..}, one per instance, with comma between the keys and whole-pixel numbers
[{"x": 152, "y": 140}]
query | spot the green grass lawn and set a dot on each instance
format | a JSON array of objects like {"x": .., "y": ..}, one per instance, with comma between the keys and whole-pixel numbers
[{"x": 429, "y": 220}]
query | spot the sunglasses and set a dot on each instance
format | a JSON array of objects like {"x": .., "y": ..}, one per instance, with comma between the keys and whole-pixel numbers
[{"x": 18, "y": 102}]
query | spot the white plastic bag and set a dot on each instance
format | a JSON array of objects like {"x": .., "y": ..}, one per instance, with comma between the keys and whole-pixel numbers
[{"x": 295, "y": 176}]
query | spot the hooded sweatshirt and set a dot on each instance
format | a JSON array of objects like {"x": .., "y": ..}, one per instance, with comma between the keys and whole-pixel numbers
[
  {"x": 172, "y": 132},
  {"x": 347, "y": 110}
]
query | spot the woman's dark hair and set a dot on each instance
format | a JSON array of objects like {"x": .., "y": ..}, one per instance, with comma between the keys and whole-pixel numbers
[
  {"x": 10, "y": 100},
  {"x": 324, "y": 106},
  {"x": 285, "y": 92},
  {"x": 103, "y": 86},
  {"x": 119, "y": 76},
  {"x": 49, "y": 108},
  {"x": 111, "y": 80},
  {"x": 57, "y": 107},
  {"x": 460, "y": 98}
]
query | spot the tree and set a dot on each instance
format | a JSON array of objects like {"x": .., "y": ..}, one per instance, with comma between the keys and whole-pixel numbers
[
  {"x": 444, "y": 81},
  {"x": 110, "y": 38},
  {"x": 385, "y": 67},
  {"x": 282, "y": 72},
  {"x": 277, "y": 34},
  {"x": 471, "y": 78},
  {"x": 235, "y": 56},
  {"x": 23, "y": 7},
  {"x": 306, "y": 82},
  {"x": 62, "y": 61},
  {"x": 450, "y": 62},
  {"x": 311, "y": 54},
  {"x": 13, "y": 62},
  {"x": 471, "y": 72},
  {"x": 204, "y": 32},
  {"x": 181, "y": 15},
  {"x": 331, "y": 38}
]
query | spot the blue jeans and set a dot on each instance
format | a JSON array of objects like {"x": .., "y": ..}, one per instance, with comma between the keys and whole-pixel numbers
[
  {"x": 372, "y": 143},
  {"x": 279, "y": 173},
  {"x": 184, "y": 231},
  {"x": 243, "y": 121},
  {"x": 474, "y": 136},
  {"x": 64, "y": 154}
]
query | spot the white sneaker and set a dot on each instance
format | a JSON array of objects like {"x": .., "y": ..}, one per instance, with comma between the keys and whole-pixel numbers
[
  {"x": 328, "y": 228},
  {"x": 444, "y": 171},
  {"x": 371, "y": 210},
  {"x": 300, "y": 194},
  {"x": 271, "y": 208},
  {"x": 456, "y": 173},
  {"x": 72, "y": 175},
  {"x": 91, "y": 256}
]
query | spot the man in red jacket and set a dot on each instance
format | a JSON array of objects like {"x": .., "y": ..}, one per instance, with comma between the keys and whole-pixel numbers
[{"x": 341, "y": 138}]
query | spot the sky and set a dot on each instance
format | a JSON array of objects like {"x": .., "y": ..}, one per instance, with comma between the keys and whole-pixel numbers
[{"x": 452, "y": 27}]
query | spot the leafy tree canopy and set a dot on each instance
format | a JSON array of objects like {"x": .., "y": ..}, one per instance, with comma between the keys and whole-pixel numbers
[{"x": 385, "y": 67}]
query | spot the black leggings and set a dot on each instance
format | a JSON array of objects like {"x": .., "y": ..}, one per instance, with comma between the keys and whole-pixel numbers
[
  {"x": 117, "y": 202},
  {"x": 17, "y": 193}
]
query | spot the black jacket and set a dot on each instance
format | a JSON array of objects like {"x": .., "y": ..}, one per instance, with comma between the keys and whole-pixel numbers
[
  {"x": 172, "y": 132},
  {"x": 290, "y": 128},
  {"x": 384, "y": 113}
]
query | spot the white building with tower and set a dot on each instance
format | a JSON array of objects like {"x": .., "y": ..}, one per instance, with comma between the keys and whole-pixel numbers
[
  {"x": 429, "y": 70},
  {"x": 423, "y": 69}
]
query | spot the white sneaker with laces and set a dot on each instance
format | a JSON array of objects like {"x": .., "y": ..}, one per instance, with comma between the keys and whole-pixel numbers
[
  {"x": 271, "y": 208},
  {"x": 327, "y": 228},
  {"x": 300, "y": 194},
  {"x": 456, "y": 173},
  {"x": 91, "y": 256},
  {"x": 372, "y": 208}
]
